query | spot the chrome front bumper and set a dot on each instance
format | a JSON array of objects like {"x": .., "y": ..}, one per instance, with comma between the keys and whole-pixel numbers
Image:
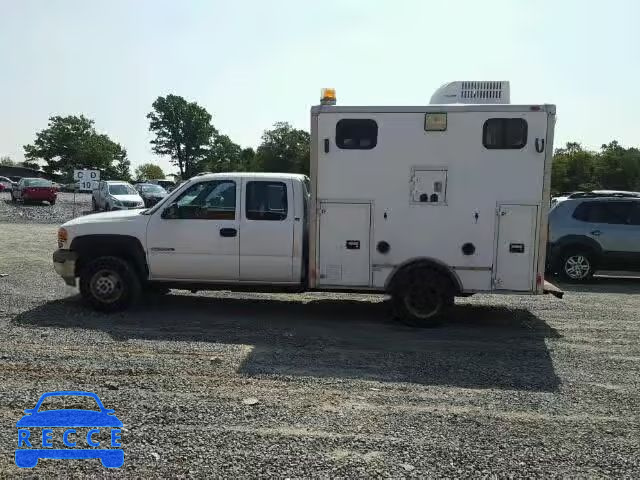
[{"x": 64, "y": 263}]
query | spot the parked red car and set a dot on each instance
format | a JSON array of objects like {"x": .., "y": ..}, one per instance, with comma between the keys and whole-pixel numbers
[{"x": 34, "y": 190}]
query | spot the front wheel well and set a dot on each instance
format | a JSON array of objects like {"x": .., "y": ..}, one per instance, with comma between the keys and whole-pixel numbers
[{"x": 90, "y": 247}]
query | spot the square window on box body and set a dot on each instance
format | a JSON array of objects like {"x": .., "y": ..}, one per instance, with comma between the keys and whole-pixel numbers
[{"x": 435, "y": 122}]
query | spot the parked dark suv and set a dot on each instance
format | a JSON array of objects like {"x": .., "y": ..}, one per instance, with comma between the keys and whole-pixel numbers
[{"x": 592, "y": 232}]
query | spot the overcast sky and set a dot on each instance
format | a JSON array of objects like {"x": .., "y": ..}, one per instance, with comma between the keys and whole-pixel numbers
[{"x": 252, "y": 63}]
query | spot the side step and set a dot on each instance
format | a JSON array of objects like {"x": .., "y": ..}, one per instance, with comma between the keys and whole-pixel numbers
[{"x": 552, "y": 289}]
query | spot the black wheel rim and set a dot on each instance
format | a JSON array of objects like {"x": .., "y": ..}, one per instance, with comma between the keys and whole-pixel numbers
[
  {"x": 106, "y": 286},
  {"x": 423, "y": 300}
]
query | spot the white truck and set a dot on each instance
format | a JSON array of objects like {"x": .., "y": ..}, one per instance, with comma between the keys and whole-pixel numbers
[
  {"x": 423, "y": 203},
  {"x": 115, "y": 195}
]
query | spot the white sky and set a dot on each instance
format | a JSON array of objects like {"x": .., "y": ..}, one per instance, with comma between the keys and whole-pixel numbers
[{"x": 252, "y": 63}]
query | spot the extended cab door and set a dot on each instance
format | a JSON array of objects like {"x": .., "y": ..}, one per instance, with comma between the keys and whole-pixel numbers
[
  {"x": 266, "y": 230},
  {"x": 196, "y": 237}
]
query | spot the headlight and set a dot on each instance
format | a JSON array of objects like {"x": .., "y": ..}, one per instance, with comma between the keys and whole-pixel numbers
[{"x": 116, "y": 201}]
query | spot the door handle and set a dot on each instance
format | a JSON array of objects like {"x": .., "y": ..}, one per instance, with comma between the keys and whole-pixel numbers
[
  {"x": 596, "y": 233},
  {"x": 228, "y": 232}
]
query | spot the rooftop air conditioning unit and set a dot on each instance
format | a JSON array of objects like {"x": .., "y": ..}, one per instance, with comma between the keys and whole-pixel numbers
[{"x": 472, "y": 92}]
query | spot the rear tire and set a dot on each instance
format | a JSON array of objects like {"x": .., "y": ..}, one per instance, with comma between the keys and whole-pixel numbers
[
  {"x": 576, "y": 265},
  {"x": 109, "y": 284},
  {"x": 420, "y": 296}
]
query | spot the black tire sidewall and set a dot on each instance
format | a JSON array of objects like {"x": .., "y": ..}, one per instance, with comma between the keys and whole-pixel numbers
[
  {"x": 401, "y": 290},
  {"x": 127, "y": 274}
]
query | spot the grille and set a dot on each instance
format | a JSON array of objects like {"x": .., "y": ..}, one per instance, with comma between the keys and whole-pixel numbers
[{"x": 484, "y": 90}]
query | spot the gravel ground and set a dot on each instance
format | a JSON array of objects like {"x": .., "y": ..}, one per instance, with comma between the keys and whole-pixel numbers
[
  {"x": 63, "y": 210},
  {"x": 230, "y": 385}
]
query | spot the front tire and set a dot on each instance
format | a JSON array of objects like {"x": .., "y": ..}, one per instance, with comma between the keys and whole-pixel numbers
[
  {"x": 421, "y": 295},
  {"x": 577, "y": 265},
  {"x": 109, "y": 284}
]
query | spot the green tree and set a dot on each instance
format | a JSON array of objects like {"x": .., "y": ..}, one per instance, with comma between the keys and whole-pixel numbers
[
  {"x": 182, "y": 131},
  {"x": 72, "y": 142},
  {"x": 33, "y": 165},
  {"x": 618, "y": 168},
  {"x": 284, "y": 149},
  {"x": 224, "y": 155},
  {"x": 247, "y": 160},
  {"x": 613, "y": 168},
  {"x": 572, "y": 169},
  {"x": 6, "y": 161},
  {"x": 149, "y": 171}
]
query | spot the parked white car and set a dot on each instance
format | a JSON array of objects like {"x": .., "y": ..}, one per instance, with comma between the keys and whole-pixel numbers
[{"x": 115, "y": 195}]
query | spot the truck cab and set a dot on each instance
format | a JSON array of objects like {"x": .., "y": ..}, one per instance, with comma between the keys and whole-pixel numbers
[{"x": 226, "y": 229}]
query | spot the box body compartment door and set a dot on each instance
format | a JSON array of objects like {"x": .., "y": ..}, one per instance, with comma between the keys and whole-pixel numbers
[
  {"x": 516, "y": 247},
  {"x": 344, "y": 244}
]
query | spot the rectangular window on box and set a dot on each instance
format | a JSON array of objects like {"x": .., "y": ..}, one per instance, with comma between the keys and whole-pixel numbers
[
  {"x": 356, "y": 134},
  {"x": 504, "y": 133}
]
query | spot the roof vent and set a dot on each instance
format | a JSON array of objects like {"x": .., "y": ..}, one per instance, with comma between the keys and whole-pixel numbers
[{"x": 472, "y": 92}]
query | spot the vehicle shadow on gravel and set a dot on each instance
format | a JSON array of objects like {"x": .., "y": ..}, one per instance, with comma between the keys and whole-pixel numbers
[
  {"x": 479, "y": 347},
  {"x": 616, "y": 285}
]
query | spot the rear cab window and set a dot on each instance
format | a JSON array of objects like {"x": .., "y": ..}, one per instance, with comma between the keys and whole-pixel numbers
[{"x": 266, "y": 200}]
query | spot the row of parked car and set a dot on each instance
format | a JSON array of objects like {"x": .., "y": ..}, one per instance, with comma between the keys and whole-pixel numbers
[
  {"x": 110, "y": 195},
  {"x": 116, "y": 195}
]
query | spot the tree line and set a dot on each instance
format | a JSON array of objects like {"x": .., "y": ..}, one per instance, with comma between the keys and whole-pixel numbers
[
  {"x": 612, "y": 168},
  {"x": 182, "y": 131}
]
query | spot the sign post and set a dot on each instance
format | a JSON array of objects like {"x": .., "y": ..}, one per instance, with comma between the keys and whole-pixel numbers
[{"x": 85, "y": 180}]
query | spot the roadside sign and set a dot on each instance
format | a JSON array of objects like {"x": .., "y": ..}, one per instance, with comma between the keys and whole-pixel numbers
[{"x": 86, "y": 179}]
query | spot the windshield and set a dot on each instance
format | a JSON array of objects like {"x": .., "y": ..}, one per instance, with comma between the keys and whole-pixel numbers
[
  {"x": 151, "y": 189},
  {"x": 37, "y": 182},
  {"x": 66, "y": 402},
  {"x": 122, "y": 189},
  {"x": 174, "y": 194}
]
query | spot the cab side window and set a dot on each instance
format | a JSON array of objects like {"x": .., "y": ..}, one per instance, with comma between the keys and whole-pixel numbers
[
  {"x": 215, "y": 200},
  {"x": 266, "y": 200}
]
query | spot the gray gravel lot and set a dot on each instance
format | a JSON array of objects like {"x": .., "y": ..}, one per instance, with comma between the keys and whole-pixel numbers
[
  {"x": 64, "y": 209},
  {"x": 244, "y": 385}
]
